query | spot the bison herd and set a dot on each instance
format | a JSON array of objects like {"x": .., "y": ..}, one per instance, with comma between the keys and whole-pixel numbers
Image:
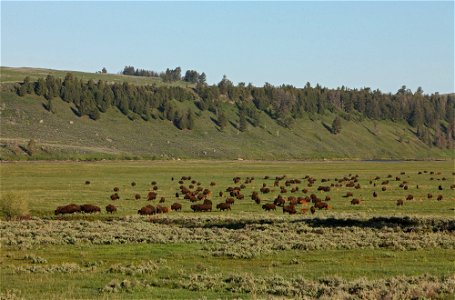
[{"x": 290, "y": 192}]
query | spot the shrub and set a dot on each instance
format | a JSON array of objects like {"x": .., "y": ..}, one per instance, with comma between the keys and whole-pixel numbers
[{"x": 14, "y": 205}]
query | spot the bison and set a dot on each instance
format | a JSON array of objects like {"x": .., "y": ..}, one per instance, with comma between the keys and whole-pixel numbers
[
  {"x": 355, "y": 201},
  {"x": 68, "y": 209},
  {"x": 111, "y": 209},
  {"x": 89, "y": 208},
  {"x": 176, "y": 206},
  {"x": 269, "y": 207},
  {"x": 146, "y": 210},
  {"x": 223, "y": 206},
  {"x": 290, "y": 209}
]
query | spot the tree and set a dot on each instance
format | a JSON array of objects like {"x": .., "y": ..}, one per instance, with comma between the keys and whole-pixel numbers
[
  {"x": 104, "y": 70},
  {"x": 40, "y": 88},
  {"x": 189, "y": 119},
  {"x": 242, "y": 121},
  {"x": 336, "y": 125},
  {"x": 50, "y": 106},
  {"x": 202, "y": 78},
  {"x": 222, "y": 120}
]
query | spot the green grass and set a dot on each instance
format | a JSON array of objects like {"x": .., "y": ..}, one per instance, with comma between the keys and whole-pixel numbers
[
  {"x": 180, "y": 255},
  {"x": 50, "y": 184},
  {"x": 188, "y": 259},
  {"x": 64, "y": 135}
]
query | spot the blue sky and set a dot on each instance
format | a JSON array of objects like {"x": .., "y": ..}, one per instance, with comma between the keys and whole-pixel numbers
[{"x": 376, "y": 44}]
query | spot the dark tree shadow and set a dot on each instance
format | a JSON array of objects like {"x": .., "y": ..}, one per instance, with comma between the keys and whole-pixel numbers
[{"x": 329, "y": 128}]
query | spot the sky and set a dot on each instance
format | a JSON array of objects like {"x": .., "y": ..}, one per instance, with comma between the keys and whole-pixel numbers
[{"x": 381, "y": 45}]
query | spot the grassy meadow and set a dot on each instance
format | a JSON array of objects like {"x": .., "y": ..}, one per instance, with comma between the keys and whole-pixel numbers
[{"x": 368, "y": 251}]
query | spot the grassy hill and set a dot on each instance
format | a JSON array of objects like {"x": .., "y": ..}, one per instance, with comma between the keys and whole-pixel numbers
[
  {"x": 64, "y": 135},
  {"x": 13, "y": 75}
]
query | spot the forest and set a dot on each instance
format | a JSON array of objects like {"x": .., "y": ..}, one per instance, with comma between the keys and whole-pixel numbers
[{"x": 431, "y": 115}]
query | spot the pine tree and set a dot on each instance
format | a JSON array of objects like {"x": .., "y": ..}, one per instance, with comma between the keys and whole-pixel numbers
[
  {"x": 336, "y": 125},
  {"x": 242, "y": 121},
  {"x": 222, "y": 120},
  {"x": 40, "y": 88},
  {"x": 189, "y": 119}
]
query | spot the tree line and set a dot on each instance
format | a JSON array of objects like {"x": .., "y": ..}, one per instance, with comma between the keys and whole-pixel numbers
[
  {"x": 170, "y": 75},
  {"x": 432, "y": 116}
]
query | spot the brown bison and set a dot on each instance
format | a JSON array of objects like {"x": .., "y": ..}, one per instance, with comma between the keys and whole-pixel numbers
[
  {"x": 151, "y": 196},
  {"x": 137, "y": 197},
  {"x": 68, "y": 209},
  {"x": 223, "y": 206},
  {"x": 146, "y": 210},
  {"x": 290, "y": 209},
  {"x": 400, "y": 202},
  {"x": 87, "y": 182},
  {"x": 115, "y": 196},
  {"x": 201, "y": 207},
  {"x": 409, "y": 197},
  {"x": 439, "y": 198},
  {"x": 269, "y": 207},
  {"x": 355, "y": 201},
  {"x": 230, "y": 201},
  {"x": 176, "y": 206},
  {"x": 89, "y": 208},
  {"x": 111, "y": 209}
]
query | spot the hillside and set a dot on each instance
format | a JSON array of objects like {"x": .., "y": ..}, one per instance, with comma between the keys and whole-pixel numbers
[
  {"x": 14, "y": 75},
  {"x": 65, "y": 135}
]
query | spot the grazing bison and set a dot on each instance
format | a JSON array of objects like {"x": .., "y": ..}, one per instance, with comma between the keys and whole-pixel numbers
[
  {"x": 313, "y": 210},
  {"x": 111, "y": 209},
  {"x": 269, "y": 207},
  {"x": 230, "y": 201},
  {"x": 439, "y": 198},
  {"x": 409, "y": 197},
  {"x": 115, "y": 196},
  {"x": 176, "y": 206},
  {"x": 137, "y": 197},
  {"x": 290, "y": 209},
  {"x": 321, "y": 205},
  {"x": 146, "y": 210},
  {"x": 400, "y": 202},
  {"x": 87, "y": 182},
  {"x": 348, "y": 194},
  {"x": 429, "y": 196},
  {"x": 384, "y": 189},
  {"x": 116, "y": 189},
  {"x": 162, "y": 200},
  {"x": 67, "y": 209},
  {"x": 201, "y": 207},
  {"x": 162, "y": 209},
  {"x": 375, "y": 194},
  {"x": 223, "y": 206},
  {"x": 133, "y": 183},
  {"x": 89, "y": 208},
  {"x": 355, "y": 201},
  {"x": 151, "y": 196}
]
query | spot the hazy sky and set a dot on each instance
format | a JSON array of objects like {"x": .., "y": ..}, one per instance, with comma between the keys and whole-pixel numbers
[{"x": 376, "y": 44}]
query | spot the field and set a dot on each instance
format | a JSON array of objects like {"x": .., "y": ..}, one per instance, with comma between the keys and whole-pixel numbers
[{"x": 374, "y": 250}]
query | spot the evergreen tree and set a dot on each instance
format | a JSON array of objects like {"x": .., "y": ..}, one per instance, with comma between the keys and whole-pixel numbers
[
  {"x": 40, "y": 88},
  {"x": 222, "y": 120},
  {"x": 202, "y": 78},
  {"x": 242, "y": 121},
  {"x": 189, "y": 119},
  {"x": 336, "y": 125},
  {"x": 50, "y": 105},
  {"x": 104, "y": 70}
]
